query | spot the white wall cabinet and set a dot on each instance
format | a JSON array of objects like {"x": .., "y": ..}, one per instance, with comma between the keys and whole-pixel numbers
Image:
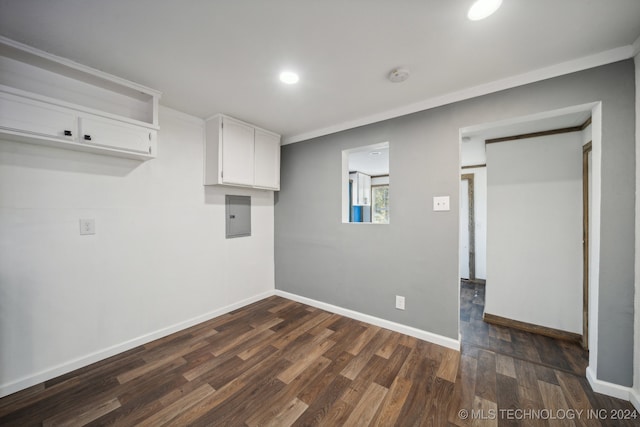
[
  {"x": 239, "y": 154},
  {"x": 38, "y": 119},
  {"x": 361, "y": 189},
  {"x": 52, "y": 101}
]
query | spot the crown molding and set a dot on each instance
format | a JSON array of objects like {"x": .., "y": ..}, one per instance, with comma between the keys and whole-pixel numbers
[{"x": 592, "y": 61}]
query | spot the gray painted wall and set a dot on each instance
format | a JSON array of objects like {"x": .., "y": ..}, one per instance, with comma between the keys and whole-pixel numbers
[{"x": 362, "y": 267}]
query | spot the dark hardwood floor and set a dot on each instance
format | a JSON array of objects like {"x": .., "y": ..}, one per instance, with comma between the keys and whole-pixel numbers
[
  {"x": 280, "y": 363},
  {"x": 538, "y": 349},
  {"x": 514, "y": 370}
]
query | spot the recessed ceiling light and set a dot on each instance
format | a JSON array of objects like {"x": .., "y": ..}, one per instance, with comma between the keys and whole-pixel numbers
[
  {"x": 482, "y": 9},
  {"x": 289, "y": 77}
]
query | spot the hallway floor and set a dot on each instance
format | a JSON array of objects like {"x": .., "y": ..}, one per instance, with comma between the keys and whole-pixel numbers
[
  {"x": 510, "y": 372},
  {"x": 544, "y": 351}
]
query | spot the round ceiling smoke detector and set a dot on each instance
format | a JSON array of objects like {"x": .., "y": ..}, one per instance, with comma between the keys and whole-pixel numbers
[{"x": 399, "y": 75}]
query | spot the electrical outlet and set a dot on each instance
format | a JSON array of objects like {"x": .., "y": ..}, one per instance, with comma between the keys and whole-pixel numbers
[
  {"x": 87, "y": 226},
  {"x": 399, "y": 302},
  {"x": 441, "y": 203}
]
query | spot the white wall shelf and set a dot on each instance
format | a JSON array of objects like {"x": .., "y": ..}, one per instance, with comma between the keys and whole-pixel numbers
[{"x": 48, "y": 100}]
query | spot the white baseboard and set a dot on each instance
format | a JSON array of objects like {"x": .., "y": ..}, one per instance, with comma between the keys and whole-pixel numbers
[
  {"x": 634, "y": 398},
  {"x": 387, "y": 324},
  {"x": 610, "y": 389},
  {"x": 63, "y": 368}
]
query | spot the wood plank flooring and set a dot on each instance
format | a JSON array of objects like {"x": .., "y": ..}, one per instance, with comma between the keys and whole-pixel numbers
[
  {"x": 513, "y": 343},
  {"x": 282, "y": 363},
  {"x": 521, "y": 375}
]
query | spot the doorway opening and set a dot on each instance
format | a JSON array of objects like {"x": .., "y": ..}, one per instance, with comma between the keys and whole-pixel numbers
[
  {"x": 586, "y": 192},
  {"x": 467, "y": 228}
]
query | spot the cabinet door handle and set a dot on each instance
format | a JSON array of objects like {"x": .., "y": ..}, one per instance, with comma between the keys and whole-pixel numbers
[
  {"x": 68, "y": 133},
  {"x": 87, "y": 137},
  {"x": 232, "y": 216}
]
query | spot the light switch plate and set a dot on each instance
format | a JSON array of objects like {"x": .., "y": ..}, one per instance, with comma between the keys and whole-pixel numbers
[{"x": 441, "y": 203}]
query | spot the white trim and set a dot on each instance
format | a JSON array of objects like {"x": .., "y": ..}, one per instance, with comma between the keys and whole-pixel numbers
[
  {"x": 387, "y": 324},
  {"x": 610, "y": 389},
  {"x": 634, "y": 398},
  {"x": 635, "y": 394},
  {"x": 636, "y": 46},
  {"x": 63, "y": 368},
  {"x": 594, "y": 235},
  {"x": 592, "y": 61}
]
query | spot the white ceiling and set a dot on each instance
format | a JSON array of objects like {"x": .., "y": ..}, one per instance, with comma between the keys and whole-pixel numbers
[
  {"x": 210, "y": 56},
  {"x": 370, "y": 164}
]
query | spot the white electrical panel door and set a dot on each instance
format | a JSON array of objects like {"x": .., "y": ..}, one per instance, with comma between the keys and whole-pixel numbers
[
  {"x": 103, "y": 132},
  {"x": 237, "y": 152},
  {"x": 267, "y": 160},
  {"x": 36, "y": 118}
]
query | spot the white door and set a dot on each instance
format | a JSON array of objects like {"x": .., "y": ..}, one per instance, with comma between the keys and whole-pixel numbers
[{"x": 464, "y": 229}]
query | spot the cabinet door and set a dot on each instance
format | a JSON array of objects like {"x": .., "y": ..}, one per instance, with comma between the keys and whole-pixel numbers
[
  {"x": 361, "y": 189},
  {"x": 267, "y": 160},
  {"x": 108, "y": 133},
  {"x": 366, "y": 190},
  {"x": 237, "y": 152},
  {"x": 362, "y": 196},
  {"x": 36, "y": 118}
]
